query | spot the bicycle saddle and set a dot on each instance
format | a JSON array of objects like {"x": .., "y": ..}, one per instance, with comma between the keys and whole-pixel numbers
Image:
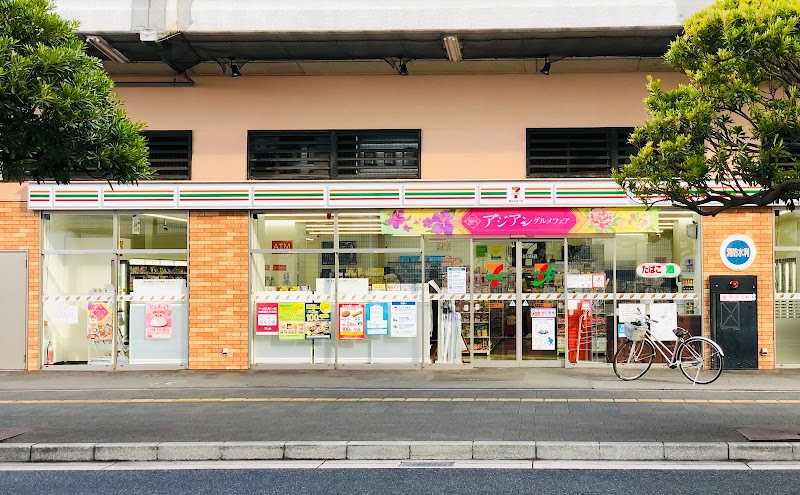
[{"x": 680, "y": 332}]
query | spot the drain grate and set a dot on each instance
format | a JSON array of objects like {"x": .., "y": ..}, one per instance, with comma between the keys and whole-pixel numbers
[
  {"x": 427, "y": 464},
  {"x": 769, "y": 435}
]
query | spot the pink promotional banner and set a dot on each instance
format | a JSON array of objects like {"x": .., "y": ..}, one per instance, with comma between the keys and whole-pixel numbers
[{"x": 519, "y": 221}]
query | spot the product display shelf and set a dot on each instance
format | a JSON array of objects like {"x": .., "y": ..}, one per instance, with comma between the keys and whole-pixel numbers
[
  {"x": 484, "y": 339},
  {"x": 152, "y": 271},
  {"x": 407, "y": 271}
]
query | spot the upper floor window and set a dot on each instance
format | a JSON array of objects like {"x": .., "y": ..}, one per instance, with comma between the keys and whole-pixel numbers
[
  {"x": 590, "y": 152},
  {"x": 170, "y": 154},
  {"x": 366, "y": 154}
]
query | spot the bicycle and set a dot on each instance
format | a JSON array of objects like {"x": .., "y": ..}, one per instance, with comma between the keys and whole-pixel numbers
[{"x": 700, "y": 359}]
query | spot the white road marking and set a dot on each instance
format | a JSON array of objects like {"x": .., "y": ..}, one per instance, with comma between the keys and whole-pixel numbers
[
  {"x": 638, "y": 465},
  {"x": 392, "y": 464}
]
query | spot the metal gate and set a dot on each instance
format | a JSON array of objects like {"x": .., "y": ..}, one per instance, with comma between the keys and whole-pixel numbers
[{"x": 14, "y": 309}]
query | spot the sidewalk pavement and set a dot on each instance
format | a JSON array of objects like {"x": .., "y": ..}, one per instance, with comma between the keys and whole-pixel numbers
[{"x": 480, "y": 413}]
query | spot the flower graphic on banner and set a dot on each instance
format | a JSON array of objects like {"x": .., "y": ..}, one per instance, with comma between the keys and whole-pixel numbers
[
  {"x": 601, "y": 219},
  {"x": 440, "y": 223},
  {"x": 397, "y": 219}
]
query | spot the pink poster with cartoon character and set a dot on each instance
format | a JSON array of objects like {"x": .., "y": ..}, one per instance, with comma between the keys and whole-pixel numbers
[{"x": 158, "y": 321}]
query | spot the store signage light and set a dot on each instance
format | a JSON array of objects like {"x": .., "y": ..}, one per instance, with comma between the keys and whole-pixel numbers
[{"x": 658, "y": 270}]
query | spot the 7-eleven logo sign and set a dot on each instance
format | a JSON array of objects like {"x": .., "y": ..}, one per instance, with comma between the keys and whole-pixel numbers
[{"x": 494, "y": 273}]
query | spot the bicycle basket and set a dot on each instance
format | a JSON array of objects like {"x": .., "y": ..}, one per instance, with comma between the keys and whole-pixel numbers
[{"x": 635, "y": 332}]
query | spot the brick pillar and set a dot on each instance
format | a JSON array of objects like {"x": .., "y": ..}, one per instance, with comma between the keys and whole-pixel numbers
[
  {"x": 757, "y": 223},
  {"x": 19, "y": 229},
  {"x": 218, "y": 289}
]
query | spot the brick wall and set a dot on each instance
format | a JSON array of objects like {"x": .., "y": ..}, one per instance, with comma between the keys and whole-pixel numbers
[
  {"x": 218, "y": 289},
  {"x": 19, "y": 229},
  {"x": 757, "y": 223}
]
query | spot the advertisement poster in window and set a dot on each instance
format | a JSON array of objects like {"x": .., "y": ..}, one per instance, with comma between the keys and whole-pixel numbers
[
  {"x": 628, "y": 313},
  {"x": 158, "y": 321},
  {"x": 456, "y": 279},
  {"x": 404, "y": 319},
  {"x": 351, "y": 322},
  {"x": 543, "y": 329},
  {"x": 291, "y": 321},
  {"x": 63, "y": 313},
  {"x": 318, "y": 321},
  {"x": 266, "y": 318},
  {"x": 98, "y": 321},
  {"x": 378, "y": 318}
]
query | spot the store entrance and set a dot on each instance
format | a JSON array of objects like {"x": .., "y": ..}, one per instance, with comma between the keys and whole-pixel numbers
[{"x": 518, "y": 311}]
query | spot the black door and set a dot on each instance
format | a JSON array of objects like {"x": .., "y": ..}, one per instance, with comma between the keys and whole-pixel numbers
[{"x": 734, "y": 320}]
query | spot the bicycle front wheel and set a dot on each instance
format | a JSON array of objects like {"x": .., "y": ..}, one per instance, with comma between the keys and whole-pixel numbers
[
  {"x": 700, "y": 360},
  {"x": 633, "y": 359}
]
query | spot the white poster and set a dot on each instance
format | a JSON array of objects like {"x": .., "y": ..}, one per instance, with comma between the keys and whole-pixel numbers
[
  {"x": 543, "y": 334},
  {"x": 404, "y": 319},
  {"x": 325, "y": 285},
  {"x": 346, "y": 285},
  {"x": 456, "y": 279},
  {"x": 664, "y": 318},
  {"x": 159, "y": 287},
  {"x": 63, "y": 313},
  {"x": 626, "y": 313},
  {"x": 579, "y": 280},
  {"x": 543, "y": 312}
]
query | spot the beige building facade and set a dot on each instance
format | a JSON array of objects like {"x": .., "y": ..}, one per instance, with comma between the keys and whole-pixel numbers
[{"x": 482, "y": 186}]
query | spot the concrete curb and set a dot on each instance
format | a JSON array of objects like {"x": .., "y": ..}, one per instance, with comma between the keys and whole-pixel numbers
[{"x": 400, "y": 450}]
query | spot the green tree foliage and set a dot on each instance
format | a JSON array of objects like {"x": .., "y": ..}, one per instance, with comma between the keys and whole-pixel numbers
[
  {"x": 723, "y": 139},
  {"x": 58, "y": 117}
]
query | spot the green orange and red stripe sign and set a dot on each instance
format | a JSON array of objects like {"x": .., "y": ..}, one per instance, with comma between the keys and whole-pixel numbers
[
  {"x": 289, "y": 195},
  {"x": 415, "y": 193},
  {"x": 362, "y": 195},
  {"x": 139, "y": 196}
]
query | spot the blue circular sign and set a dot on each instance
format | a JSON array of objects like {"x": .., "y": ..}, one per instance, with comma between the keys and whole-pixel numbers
[{"x": 738, "y": 252}]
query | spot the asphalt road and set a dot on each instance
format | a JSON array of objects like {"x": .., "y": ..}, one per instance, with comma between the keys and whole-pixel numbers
[
  {"x": 341, "y": 414},
  {"x": 482, "y": 404},
  {"x": 399, "y": 481}
]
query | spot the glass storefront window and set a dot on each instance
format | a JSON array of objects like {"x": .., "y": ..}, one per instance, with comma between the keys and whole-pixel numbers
[
  {"x": 292, "y": 231},
  {"x": 153, "y": 231},
  {"x": 516, "y": 299},
  {"x": 590, "y": 334},
  {"x": 787, "y": 279},
  {"x": 78, "y": 231},
  {"x": 787, "y": 228},
  {"x": 447, "y": 262},
  {"x": 115, "y": 299},
  {"x": 327, "y": 296},
  {"x": 78, "y": 309}
]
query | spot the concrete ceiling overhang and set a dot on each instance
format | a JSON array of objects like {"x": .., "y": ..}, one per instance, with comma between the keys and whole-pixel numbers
[{"x": 368, "y": 52}]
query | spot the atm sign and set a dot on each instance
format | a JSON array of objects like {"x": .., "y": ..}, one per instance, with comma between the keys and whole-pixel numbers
[{"x": 658, "y": 270}]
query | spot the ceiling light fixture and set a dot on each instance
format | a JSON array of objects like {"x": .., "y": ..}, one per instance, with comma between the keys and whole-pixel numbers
[
  {"x": 235, "y": 72},
  {"x": 166, "y": 217},
  {"x": 106, "y": 49},
  {"x": 402, "y": 69},
  {"x": 546, "y": 68},
  {"x": 453, "y": 48}
]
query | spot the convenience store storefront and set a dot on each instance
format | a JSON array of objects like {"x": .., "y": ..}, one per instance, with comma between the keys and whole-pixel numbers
[
  {"x": 486, "y": 286},
  {"x": 491, "y": 274}
]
